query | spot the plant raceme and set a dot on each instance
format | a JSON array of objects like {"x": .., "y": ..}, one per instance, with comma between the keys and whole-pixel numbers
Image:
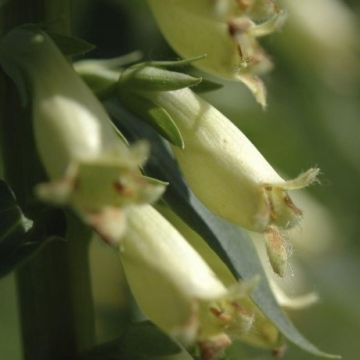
[
  {"x": 224, "y": 169},
  {"x": 230, "y": 176},
  {"x": 92, "y": 169},
  {"x": 226, "y": 31},
  {"x": 90, "y": 166}
]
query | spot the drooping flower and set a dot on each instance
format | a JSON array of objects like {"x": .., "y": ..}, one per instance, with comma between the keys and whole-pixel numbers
[
  {"x": 225, "y": 31},
  {"x": 90, "y": 166},
  {"x": 229, "y": 175},
  {"x": 262, "y": 332},
  {"x": 187, "y": 299}
]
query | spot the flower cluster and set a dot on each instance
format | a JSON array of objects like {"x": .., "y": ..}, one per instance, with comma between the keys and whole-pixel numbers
[{"x": 93, "y": 170}]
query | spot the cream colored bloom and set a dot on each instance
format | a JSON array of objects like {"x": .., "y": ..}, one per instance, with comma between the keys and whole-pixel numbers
[
  {"x": 229, "y": 175},
  {"x": 262, "y": 332},
  {"x": 176, "y": 288},
  {"x": 90, "y": 166},
  {"x": 225, "y": 32}
]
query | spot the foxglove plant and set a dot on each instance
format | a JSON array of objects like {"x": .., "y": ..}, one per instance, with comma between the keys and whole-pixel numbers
[
  {"x": 179, "y": 283},
  {"x": 222, "y": 167}
]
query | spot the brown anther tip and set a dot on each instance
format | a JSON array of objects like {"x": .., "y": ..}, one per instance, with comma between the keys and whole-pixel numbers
[
  {"x": 215, "y": 312},
  {"x": 220, "y": 314},
  {"x": 240, "y": 309},
  {"x": 76, "y": 183},
  {"x": 244, "y": 4},
  {"x": 122, "y": 189},
  {"x": 280, "y": 351},
  {"x": 119, "y": 187},
  {"x": 232, "y": 29},
  {"x": 289, "y": 203}
]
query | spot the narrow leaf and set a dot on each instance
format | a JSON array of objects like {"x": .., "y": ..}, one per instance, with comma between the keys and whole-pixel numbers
[
  {"x": 155, "y": 116},
  {"x": 71, "y": 45},
  {"x": 177, "y": 63},
  {"x": 207, "y": 86},
  {"x": 140, "y": 341},
  {"x": 141, "y": 78},
  {"x": 14, "y": 226},
  {"x": 118, "y": 62}
]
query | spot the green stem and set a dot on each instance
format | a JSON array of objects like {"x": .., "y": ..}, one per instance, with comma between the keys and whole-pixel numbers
[
  {"x": 55, "y": 299},
  {"x": 57, "y": 14},
  {"x": 79, "y": 238}
]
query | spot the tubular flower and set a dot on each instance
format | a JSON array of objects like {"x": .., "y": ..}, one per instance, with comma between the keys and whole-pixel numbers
[
  {"x": 225, "y": 31},
  {"x": 90, "y": 166},
  {"x": 229, "y": 175},
  {"x": 262, "y": 332},
  {"x": 187, "y": 299}
]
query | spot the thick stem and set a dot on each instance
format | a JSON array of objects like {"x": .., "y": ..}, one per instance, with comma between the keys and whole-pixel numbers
[
  {"x": 79, "y": 237},
  {"x": 54, "y": 291}
]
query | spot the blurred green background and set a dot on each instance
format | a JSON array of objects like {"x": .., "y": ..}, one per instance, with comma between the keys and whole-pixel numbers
[{"x": 313, "y": 118}]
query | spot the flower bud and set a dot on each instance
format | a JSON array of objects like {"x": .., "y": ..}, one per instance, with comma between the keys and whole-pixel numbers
[
  {"x": 224, "y": 32},
  {"x": 187, "y": 299},
  {"x": 229, "y": 175},
  {"x": 293, "y": 285}
]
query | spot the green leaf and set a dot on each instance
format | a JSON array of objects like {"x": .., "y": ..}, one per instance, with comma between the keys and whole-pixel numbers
[
  {"x": 155, "y": 116},
  {"x": 71, "y": 45},
  {"x": 207, "y": 86},
  {"x": 176, "y": 63},
  {"x": 145, "y": 338},
  {"x": 141, "y": 341},
  {"x": 116, "y": 62},
  {"x": 13, "y": 72},
  {"x": 231, "y": 243},
  {"x": 144, "y": 78},
  {"x": 14, "y": 227}
]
